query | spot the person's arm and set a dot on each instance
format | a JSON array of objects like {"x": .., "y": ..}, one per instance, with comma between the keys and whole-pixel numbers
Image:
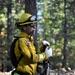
[{"x": 30, "y": 52}]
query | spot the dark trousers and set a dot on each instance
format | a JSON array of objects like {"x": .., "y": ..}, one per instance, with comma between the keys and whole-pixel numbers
[{"x": 19, "y": 72}]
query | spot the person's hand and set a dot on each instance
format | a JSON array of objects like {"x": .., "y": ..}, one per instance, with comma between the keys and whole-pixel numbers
[
  {"x": 48, "y": 52},
  {"x": 46, "y": 43}
]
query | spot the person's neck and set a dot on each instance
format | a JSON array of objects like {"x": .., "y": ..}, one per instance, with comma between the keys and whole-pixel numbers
[{"x": 26, "y": 33}]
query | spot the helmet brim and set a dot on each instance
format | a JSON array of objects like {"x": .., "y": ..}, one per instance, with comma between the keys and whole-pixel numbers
[{"x": 27, "y": 23}]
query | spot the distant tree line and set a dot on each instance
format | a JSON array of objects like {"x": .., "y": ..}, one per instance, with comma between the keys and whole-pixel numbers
[{"x": 56, "y": 24}]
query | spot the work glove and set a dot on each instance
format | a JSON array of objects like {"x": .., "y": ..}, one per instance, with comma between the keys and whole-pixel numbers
[
  {"x": 48, "y": 52},
  {"x": 44, "y": 45}
]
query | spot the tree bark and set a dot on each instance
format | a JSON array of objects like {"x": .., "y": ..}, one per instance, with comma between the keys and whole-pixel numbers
[{"x": 65, "y": 37}]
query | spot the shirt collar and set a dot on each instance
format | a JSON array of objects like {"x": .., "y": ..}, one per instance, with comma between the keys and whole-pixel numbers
[{"x": 25, "y": 35}]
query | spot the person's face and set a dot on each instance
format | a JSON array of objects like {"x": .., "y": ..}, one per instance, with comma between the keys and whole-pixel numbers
[{"x": 30, "y": 29}]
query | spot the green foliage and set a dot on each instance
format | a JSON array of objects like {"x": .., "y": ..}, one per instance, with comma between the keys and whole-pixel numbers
[
  {"x": 50, "y": 26},
  {"x": 16, "y": 11}
]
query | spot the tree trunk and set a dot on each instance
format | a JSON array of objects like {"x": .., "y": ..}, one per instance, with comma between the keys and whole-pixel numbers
[
  {"x": 65, "y": 37},
  {"x": 9, "y": 25},
  {"x": 9, "y": 33}
]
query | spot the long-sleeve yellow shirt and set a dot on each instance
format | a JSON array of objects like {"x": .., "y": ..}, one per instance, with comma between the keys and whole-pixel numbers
[{"x": 30, "y": 58}]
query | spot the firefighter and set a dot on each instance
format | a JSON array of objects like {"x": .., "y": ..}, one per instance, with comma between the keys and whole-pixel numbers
[{"x": 28, "y": 63}]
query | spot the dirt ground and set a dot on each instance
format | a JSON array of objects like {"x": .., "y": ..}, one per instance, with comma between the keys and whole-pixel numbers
[{"x": 53, "y": 72}]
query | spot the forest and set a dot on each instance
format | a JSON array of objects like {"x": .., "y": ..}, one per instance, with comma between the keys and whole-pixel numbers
[{"x": 56, "y": 24}]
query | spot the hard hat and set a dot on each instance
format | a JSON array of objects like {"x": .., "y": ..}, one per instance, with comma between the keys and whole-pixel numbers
[{"x": 26, "y": 19}]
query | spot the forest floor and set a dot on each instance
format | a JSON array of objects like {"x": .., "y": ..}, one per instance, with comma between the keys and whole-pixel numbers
[{"x": 52, "y": 72}]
